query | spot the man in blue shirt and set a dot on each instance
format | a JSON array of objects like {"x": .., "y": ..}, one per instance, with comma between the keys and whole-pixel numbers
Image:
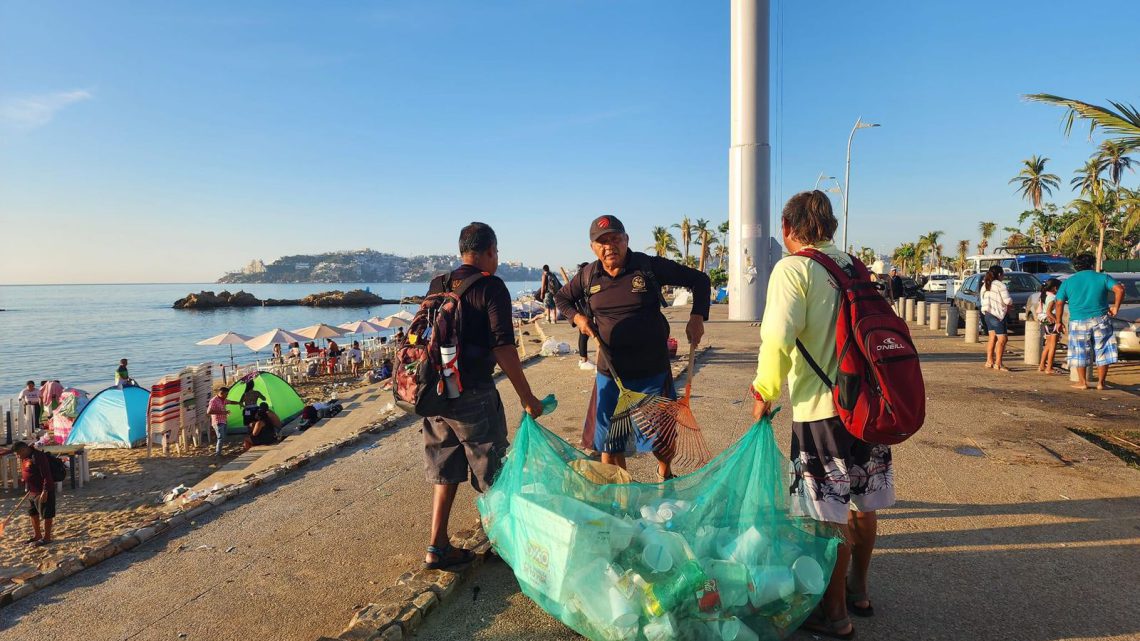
[{"x": 1091, "y": 339}]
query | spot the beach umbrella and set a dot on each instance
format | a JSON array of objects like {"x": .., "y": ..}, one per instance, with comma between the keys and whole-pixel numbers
[
  {"x": 361, "y": 327},
  {"x": 404, "y": 315},
  {"x": 394, "y": 321},
  {"x": 273, "y": 337},
  {"x": 228, "y": 338},
  {"x": 320, "y": 330}
]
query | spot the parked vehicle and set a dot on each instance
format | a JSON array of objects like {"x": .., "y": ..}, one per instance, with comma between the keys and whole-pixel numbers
[
  {"x": 1020, "y": 285},
  {"x": 1032, "y": 261},
  {"x": 911, "y": 289},
  {"x": 937, "y": 282}
]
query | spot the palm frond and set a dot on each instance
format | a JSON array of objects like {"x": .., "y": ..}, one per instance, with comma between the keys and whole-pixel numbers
[{"x": 1124, "y": 122}]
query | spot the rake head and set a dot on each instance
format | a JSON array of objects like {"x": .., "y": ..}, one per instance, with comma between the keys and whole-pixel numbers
[{"x": 675, "y": 433}]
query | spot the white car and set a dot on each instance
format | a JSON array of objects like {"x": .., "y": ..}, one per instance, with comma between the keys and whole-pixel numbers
[{"x": 937, "y": 283}]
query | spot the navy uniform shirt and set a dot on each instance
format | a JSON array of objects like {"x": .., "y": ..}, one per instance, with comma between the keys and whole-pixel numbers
[{"x": 627, "y": 312}]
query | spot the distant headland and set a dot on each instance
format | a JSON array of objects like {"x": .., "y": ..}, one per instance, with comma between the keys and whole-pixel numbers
[
  {"x": 336, "y": 298},
  {"x": 360, "y": 266}
]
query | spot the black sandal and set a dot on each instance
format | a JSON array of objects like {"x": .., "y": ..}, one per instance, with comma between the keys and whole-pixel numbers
[
  {"x": 818, "y": 623},
  {"x": 857, "y": 610},
  {"x": 444, "y": 560}
]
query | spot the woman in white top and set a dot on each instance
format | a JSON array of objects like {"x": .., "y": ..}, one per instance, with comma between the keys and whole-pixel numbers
[
  {"x": 1041, "y": 306},
  {"x": 995, "y": 302}
]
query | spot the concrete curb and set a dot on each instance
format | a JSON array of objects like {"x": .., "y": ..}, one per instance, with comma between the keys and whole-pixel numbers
[
  {"x": 55, "y": 570},
  {"x": 399, "y": 610}
]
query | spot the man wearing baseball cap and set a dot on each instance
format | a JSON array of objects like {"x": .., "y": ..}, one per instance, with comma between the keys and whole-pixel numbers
[{"x": 621, "y": 295}]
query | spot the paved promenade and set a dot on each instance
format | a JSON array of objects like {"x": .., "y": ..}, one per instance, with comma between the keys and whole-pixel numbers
[
  {"x": 1035, "y": 539},
  {"x": 1038, "y": 538}
]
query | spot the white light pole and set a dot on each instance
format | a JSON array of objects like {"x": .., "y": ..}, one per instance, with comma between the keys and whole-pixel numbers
[
  {"x": 822, "y": 175},
  {"x": 859, "y": 124},
  {"x": 749, "y": 162}
]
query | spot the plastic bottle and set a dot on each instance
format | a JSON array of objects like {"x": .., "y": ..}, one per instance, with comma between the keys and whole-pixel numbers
[{"x": 665, "y": 595}]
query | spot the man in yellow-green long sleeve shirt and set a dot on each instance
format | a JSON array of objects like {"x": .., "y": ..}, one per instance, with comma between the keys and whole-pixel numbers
[{"x": 837, "y": 478}]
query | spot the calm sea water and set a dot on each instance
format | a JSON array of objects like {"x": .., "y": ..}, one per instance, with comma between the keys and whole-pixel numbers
[{"x": 78, "y": 333}]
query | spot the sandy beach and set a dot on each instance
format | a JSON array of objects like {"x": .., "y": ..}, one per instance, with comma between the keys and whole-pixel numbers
[{"x": 127, "y": 495}]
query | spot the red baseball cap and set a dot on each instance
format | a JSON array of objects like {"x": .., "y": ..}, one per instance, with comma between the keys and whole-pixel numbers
[{"x": 603, "y": 225}]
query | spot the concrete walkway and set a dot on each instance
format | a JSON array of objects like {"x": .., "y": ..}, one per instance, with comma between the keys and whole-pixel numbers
[{"x": 1037, "y": 538}]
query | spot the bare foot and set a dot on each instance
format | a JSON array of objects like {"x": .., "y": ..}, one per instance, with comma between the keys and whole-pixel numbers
[
  {"x": 989, "y": 365},
  {"x": 1101, "y": 386},
  {"x": 1079, "y": 386}
]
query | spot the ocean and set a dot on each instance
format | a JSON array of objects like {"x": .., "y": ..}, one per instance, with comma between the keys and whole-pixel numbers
[{"x": 78, "y": 333}]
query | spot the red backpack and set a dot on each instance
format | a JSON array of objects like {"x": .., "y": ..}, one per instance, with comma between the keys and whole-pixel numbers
[
  {"x": 879, "y": 392},
  {"x": 417, "y": 373}
]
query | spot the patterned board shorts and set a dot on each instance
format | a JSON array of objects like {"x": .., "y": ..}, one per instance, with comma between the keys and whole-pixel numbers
[
  {"x": 1092, "y": 341},
  {"x": 833, "y": 472}
]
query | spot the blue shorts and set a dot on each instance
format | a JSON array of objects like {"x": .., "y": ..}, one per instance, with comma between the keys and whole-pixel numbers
[
  {"x": 995, "y": 324},
  {"x": 605, "y": 401}
]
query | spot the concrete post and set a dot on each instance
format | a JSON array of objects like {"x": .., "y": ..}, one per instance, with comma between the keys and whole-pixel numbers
[
  {"x": 749, "y": 161},
  {"x": 971, "y": 326},
  {"x": 952, "y": 318},
  {"x": 920, "y": 312},
  {"x": 936, "y": 316},
  {"x": 908, "y": 310},
  {"x": 1032, "y": 342},
  {"x": 1090, "y": 374}
]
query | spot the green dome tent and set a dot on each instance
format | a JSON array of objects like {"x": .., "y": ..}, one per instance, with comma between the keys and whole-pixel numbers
[{"x": 280, "y": 396}]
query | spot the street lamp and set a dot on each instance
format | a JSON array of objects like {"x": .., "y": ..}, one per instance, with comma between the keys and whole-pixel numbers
[
  {"x": 859, "y": 124},
  {"x": 822, "y": 175}
]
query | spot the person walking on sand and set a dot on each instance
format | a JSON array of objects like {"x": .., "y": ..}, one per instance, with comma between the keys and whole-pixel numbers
[
  {"x": 35, "y": 474},
  {"x": 620, "y": 295},
  {"x": 31, "y": 403},
  {"x": 995, "y": 302},
  {"x": 218, "y": 413},
  {"x": 1091, "y": 338},
  {"x": 837, "y": 478},
  {"x": 546, "y": 291},
  {"x": 469, "y": 440},
  {"x": 1041, "y": 306}
]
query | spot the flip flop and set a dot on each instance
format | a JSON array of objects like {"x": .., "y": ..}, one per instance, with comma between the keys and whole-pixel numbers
[
  {"x": 854, "y": 597},
  {"x": 818, "y": 623},
  {"x": 444, "y": 560}
]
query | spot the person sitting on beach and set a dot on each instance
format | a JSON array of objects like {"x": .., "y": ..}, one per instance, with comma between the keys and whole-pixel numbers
[
  {"x": 261, "y": 431},
  {"x": 35, "y": 474},
  {"x": 355, "y": 358},
  {"x": 277, "y": 357},
  {"x": 218, "y": 412},
  {"x": 249, "y": 400},
  {"x": 386, "y": 369},
  {"x": 311, "y": 350},
  {"x": 295, "y": 351},
  {"x": 399, "y": 337}
]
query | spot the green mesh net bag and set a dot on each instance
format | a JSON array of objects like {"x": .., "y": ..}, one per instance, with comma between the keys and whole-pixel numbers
[{"x": 711, "y": 555}]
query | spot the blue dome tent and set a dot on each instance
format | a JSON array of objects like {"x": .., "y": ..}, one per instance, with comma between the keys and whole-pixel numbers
[{"x": 113, "y": 418}]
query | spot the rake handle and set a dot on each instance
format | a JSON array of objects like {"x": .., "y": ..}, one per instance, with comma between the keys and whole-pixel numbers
[
  {"x": 692, "y": 372},
  {"x": 18, "y": 504}
]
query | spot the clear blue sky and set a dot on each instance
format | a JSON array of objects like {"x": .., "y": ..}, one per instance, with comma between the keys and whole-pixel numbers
[{"x": 174, "y": 141}]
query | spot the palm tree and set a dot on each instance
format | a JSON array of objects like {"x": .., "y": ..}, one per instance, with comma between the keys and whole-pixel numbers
[
  {"x": 1044, "y": 226},
  {"x": 1032, "y": 181},
  {"x": 686, "y": 236},
  {"x": 1094, "y": 213},
  {"x": 928, "y": 243},
  {"x": 704, "y": 235},
  {"x": 1113, "y": 161},
  {"x": 663, "y": 242},
  {"x": 1014, "y": 237},
  {"x": 960, "y": 264},
  {"x": 1088, "y": 178},
  {"x": 986, "y": 229},
  {"x": 1129, "y": 202},
  {"x": 903, "y": 255},
  {"x": 1123, "y": 123},
  {"x": 867, "y": 256}
]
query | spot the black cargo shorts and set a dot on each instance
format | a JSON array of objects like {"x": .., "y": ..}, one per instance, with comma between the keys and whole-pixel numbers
[{"x": 469, "y": 442}]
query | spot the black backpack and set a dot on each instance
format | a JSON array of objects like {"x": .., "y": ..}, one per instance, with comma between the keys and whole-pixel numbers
[{"x": 58, "y": 468}]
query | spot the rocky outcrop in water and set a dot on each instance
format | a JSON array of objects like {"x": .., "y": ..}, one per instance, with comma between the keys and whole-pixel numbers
[{"x": 337, "y": 298}]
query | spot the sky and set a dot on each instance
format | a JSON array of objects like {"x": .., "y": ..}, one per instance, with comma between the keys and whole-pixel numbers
[{"x": 172, "y": 142}]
